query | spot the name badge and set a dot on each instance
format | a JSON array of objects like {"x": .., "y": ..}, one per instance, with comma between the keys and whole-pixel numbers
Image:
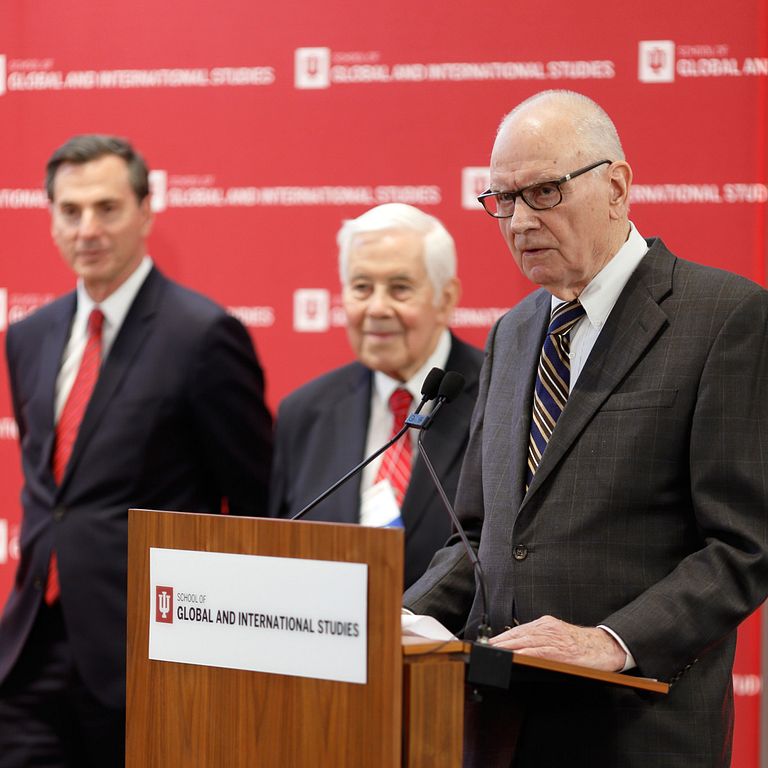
[{"x": 379, "y": 507}]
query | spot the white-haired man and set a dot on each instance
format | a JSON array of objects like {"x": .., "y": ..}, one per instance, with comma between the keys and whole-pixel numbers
[
  {"x": 398, "y": 272},
  {"x": 612, "y": 482}
]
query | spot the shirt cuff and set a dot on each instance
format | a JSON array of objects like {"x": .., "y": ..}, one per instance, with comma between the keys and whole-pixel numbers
[{"x": 630, "y": 662}]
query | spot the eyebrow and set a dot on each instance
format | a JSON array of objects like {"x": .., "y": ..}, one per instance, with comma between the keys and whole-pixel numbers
[
  {"x": 544, "y": 180},
  {"x": 76, "y": 204}
]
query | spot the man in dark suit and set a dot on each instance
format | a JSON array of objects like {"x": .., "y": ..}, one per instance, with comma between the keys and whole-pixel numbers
[
  {"x": 615, "y": 480},
  {"x": 129, "y": 392},
  {"x": 398, "y": 272}
]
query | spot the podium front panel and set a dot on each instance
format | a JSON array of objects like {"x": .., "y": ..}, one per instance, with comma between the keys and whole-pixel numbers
[{"x": 191, "y": 715}]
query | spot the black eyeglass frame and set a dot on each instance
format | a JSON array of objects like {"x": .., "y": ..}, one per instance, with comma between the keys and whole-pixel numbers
[{"x": 521, "y": 192}]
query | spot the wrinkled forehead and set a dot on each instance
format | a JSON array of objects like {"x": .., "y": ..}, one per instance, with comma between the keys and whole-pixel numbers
[
  {"x": 390, "y": 241},
  {"x": 537, "y": 145}
]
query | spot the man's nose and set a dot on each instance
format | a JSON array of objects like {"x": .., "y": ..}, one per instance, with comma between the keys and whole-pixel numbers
[
  {"x": 379, "y": 302},
  {"x": 89, "y": 225},
  {"x": 523, "y": 217}
]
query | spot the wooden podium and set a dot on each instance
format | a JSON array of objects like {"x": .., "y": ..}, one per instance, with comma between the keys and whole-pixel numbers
[
  {"x": 190, "y": 715},
  {"x": 409, "y": 713}
]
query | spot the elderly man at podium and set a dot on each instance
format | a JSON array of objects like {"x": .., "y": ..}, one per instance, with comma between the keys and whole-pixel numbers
[
  {"x": 398, "y": 274},
  {"x": 616, "y": 482}
]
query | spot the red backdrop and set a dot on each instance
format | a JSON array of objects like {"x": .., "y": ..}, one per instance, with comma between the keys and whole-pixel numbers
[{"x": 267, "y": 125}]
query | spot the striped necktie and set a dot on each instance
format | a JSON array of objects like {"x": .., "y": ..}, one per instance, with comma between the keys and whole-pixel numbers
[
  {"x": 553, "y": 380},
  {"x": 396, "y": 463},
  {"x": 68, "y": 425}
]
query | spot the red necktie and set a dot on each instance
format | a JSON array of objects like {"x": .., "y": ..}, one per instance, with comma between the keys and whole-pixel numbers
[
  {"x": 396, "y": 464},
  {"x": 69, "y": 424}
]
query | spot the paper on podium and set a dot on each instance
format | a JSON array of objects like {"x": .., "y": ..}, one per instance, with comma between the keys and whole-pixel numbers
[{"x": 424, "y": 626}]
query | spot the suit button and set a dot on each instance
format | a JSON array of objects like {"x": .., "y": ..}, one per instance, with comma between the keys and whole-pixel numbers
[
  {"x": 58, "y": 513},
  {"x": 37, "y": 584},
  {"x": 520, "y": 552}
]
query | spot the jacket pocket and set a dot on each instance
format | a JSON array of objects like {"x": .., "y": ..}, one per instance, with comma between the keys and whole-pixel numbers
[{"x": 646, "y": 398}]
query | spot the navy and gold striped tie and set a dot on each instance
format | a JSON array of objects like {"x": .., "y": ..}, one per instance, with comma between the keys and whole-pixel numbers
[{"x": 553, "y": 380}]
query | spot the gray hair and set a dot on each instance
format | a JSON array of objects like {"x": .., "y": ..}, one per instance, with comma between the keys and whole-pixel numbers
[
  {"x": 592, "y": 124},
  {"x": 93, "y": 146},
  {"x": 439, "y": 247}
]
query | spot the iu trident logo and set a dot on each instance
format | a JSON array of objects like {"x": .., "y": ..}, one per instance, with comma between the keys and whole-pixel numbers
[
  {"x": 312, "y": 68},
  {"x": 656, "y": 62},
  {"x": 164, "y": 604}
]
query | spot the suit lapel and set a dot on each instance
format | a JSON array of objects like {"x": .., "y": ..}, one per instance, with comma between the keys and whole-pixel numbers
[
  {"x": 134, "y": 331},
  {"x": 632, "y": 326},
  {"x": 510, "y": 401},
  {"x": 346, "y": 442},
  {"x": 53, "y": 350},
  {"x": 445, "y": 440}
]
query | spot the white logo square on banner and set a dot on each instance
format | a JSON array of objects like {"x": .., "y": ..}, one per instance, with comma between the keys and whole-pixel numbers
[
  {"x": 656, "y": 61},
  {"x": 312, "y": 68},
  {"x": 474, "y": 181},
  {"x": 3, "y": 541},
  {"x": 158, "y": 189},
  {"x": 3, "y": 308},
  {"x": 311, "y": 310}
]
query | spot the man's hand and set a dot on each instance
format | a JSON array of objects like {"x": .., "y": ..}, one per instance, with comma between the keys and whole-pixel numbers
[{"x": 550, "y": 638}]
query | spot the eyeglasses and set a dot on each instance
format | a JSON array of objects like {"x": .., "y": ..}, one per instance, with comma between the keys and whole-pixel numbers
[{"x": 539, "y": 197}]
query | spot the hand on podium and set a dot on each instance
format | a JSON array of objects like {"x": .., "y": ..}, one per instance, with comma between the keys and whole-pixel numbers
[{"x": 550, "y": 638}]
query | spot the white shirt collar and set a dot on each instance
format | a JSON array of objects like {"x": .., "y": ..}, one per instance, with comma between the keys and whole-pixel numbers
[
  {"x": 385, "y": 385},
  {"x": 115, "y": 307},
  {"x": 602, "y": 292}
]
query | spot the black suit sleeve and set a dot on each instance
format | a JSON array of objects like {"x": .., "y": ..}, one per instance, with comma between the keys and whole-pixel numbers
[
  {"x": 11, "y": 362},
  {"x": 233, "y": 423},
  {"x": 278, "y": 489},
  {"x": 447, "y": 589}
]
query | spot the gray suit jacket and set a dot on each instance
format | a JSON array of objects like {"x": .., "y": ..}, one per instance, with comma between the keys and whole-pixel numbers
[
  {"x": 321, "y": 434},
  {"x": 647, "y": 513}
]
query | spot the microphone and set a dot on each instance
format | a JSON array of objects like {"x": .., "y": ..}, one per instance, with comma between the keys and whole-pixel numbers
[
  {"x": 451, "y": 386},
  {"x": 430, "y": 389}
]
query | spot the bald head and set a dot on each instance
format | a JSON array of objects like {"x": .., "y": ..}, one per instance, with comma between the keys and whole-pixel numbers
[
  {"x": 552, "y": 135},
  {"x": 589, "y": 124}
]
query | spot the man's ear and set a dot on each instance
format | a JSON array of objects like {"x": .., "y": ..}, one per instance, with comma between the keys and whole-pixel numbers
[
  {"x": 620, "y": 179},
  {"x": 450, "y": 297},
  {"x": 145, "y": 207}
]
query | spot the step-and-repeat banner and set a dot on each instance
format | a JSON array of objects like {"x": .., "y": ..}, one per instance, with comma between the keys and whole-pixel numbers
[{"x": 266, "y": 125}]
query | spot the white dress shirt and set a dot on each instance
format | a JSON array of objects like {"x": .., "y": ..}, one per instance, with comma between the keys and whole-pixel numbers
[
  {"x": 600, "y": 296},
  {"x": 115, "y": 307},
  {"x": 380, "y": 419}
]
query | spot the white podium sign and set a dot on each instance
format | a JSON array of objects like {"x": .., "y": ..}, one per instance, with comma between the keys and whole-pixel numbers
[{"x": 306, "y": 618}]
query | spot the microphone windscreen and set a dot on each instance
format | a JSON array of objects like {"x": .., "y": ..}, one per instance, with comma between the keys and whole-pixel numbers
[
  {"x": 451, "y": 386},
  {"x": 431, "y": 385}
]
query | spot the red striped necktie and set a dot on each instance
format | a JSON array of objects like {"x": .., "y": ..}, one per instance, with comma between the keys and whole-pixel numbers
[
  {"x": 396, "y": 464},
  {"x": 69, "y": 424}
]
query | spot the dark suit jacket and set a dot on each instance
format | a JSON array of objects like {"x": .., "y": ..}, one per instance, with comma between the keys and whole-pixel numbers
[
  {"x": 321, "y": 434},
  {"x": 176, "y": 421},
  {"x": 647, "y": 513}
]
